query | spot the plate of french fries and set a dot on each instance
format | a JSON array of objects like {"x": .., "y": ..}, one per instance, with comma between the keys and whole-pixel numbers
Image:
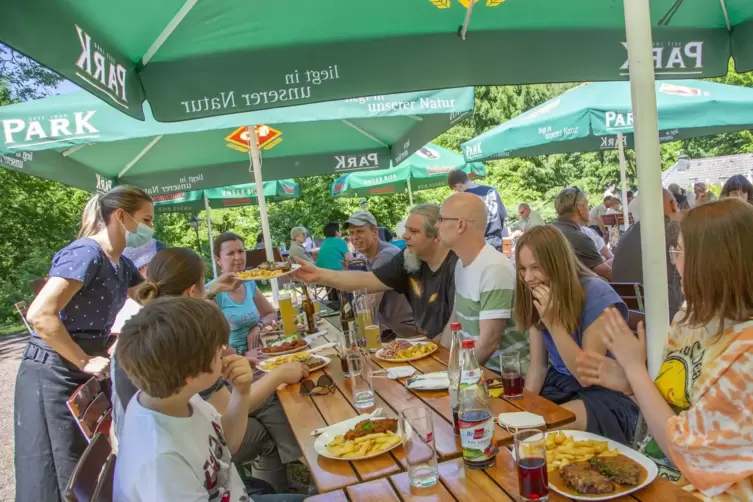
[
  {"x": 569, "y": 447},
  {"x": 263, "y": 274},
  {"x": 332, "y": 444}
]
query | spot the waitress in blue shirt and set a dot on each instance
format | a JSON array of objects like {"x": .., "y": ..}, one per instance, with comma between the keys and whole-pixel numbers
[
  {"x": 71, "y": 317},
  {"x": 245, "y": 308}
]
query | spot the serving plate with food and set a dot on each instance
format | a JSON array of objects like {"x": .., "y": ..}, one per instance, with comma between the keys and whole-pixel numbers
[
  {"x": 268, "y": 270},
  {"x": 285, "y": 345},
  {"x": 584, "y": 466},
  {"x": 402, "y": 351},
  {"x": 359, "y": 439},
  {"x": 313, "y": 362}
]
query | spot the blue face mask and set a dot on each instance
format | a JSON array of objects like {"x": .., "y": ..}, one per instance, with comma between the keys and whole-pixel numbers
[{"x": 141, "y": 236}]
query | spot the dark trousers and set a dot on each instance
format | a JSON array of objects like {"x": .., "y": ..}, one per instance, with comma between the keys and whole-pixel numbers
[{"x": 48, "y": 442}]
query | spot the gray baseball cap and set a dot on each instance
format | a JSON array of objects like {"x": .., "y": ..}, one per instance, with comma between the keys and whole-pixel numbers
[{"x": 361, "y": 218}]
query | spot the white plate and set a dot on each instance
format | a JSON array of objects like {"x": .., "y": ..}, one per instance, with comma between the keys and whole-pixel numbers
[
  {"x": 325, "y": 362},
  {"x": 416, "y": 358},
  {"x": 320, "y": 445},
  {"x": 293, "y": 268},
  {"x": 641, "y": 459}
]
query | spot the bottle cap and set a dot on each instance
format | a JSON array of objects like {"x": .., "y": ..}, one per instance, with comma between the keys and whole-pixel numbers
[
  {"x": 469, "y": 343},
  {"x": 455, "y": 326}
]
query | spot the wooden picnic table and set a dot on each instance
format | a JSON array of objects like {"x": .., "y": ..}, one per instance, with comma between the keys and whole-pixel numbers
[
  {"x": 308, "y": 413},
  {"x": 499, "y": 483}
]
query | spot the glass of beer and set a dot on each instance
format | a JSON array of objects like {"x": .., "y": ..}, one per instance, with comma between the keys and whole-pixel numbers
[
  {"x": 365, "y": 314},
  {"x": 373, "y": 337},
  {"x": 287, "y": 313}
]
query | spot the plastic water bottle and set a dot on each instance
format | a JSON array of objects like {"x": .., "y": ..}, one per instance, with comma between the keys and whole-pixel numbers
[
  {"x": 453, "y": 371},
  {"x": 475, "y": 418}
]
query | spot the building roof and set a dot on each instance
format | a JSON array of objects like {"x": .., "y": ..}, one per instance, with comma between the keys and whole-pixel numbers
[{"x": 710, "y": 170}]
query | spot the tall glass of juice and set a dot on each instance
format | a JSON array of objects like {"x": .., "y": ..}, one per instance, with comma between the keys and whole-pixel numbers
[
  {"x": 287, "y": 313},
  {"x": 530, "y": 457}
]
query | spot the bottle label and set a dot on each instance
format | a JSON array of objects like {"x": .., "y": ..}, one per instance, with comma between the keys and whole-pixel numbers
[
  {"x": 477, "y": 439},
  {"x": 471, "y": 377}
]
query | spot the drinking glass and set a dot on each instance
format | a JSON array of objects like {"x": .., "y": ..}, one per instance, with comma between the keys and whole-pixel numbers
[
  {"x": 373, "y": 338},
  {"x": 512, "y": 378},
  {"x": 530, "y": 457},
  {"x": 365, "y": 305},
  {"x": 417, "y": 431},
  {"x": 290, "y": 290},
  {"x": 361, "y": 383},
  {"x": 347, "y": 344}
]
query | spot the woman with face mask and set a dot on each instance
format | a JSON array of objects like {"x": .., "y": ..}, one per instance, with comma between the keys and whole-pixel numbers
[
  {"x": 269, "y": 441},
  {"x": 563, "y": 305},
  {"x": 71, "y": 318}
]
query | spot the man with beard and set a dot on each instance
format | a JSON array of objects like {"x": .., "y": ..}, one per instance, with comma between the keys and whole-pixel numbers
[{"x": 423, "y": 272}]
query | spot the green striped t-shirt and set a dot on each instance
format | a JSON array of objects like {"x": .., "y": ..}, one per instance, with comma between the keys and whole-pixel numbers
[{"x": 484, "y": 290}]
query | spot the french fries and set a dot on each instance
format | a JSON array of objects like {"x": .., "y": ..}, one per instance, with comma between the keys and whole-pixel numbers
[
  {"x": 370, "y": 444},
  {"x": 562, "y": 450},
  {"x": 258, "y": 273}
]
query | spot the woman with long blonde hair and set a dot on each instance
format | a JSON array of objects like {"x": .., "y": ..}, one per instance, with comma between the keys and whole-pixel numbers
[
  {"x": 699, "y": 410},
  {"x": 562, "y": 305}
]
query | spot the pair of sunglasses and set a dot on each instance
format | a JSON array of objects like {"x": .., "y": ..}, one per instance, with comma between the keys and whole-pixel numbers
[{"x": 325, "y": 385}]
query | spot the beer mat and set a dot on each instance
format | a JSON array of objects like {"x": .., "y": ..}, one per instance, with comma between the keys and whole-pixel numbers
[{"x": 520, "y": 420}]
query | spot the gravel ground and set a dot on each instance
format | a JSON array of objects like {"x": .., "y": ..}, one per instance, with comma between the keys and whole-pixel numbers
[{"x": 10, "y": 355}]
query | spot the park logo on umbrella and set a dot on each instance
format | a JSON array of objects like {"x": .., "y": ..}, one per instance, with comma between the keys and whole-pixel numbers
[
  {"x": 287, "y": 188},
  {"x": 268, "y": 137},
  {"x": 445, "y": 4}
]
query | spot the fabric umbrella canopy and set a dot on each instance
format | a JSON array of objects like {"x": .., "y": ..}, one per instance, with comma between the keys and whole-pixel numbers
[
  {"x": 194, "y": 59},
  {"x": 79, "y": 140},
  {"x": 598, "y": 116},
  {"x": 427, "y": 168},
  {"x": 218, "y": 198}
]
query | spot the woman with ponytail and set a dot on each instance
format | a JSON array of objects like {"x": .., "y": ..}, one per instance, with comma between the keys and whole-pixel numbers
[
  {"x": 71, "y": 319},
  {"x": 268, "y": 442}
]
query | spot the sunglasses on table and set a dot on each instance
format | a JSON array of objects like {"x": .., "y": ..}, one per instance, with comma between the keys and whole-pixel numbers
[{"x": 325, "y": 385}]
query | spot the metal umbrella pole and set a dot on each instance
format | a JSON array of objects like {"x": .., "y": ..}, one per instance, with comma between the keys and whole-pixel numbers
[
  {"x": 648, "y": 166},
  {"x": 209, "y": 231},
  {"x": 410, "y": 193},
  {"x": 255, "y": 155},
  {"x": 623, "y": 177}
]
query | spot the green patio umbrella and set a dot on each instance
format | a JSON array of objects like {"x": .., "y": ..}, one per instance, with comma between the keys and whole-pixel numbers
[
  {"x": 79, "y": 140},
  {"x": 194, "y": 59},
  {"x": 598, "y": 116},
  {"x": 425, "y": 169}
]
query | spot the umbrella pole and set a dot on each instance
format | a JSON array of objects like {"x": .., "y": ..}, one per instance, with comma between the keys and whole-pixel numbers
[
  {"x": 648, "y": 166},
  {"x": 253, "y": 152},
  {"x": 209, "y": 229},
  {"x": 410, "y": 194},
  {"x": 623, "y": 178}
]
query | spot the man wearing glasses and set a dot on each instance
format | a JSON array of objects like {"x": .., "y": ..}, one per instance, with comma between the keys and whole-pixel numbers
[
  {"x": 571, "y": 205},
  {"x": 484, "y": 279}
]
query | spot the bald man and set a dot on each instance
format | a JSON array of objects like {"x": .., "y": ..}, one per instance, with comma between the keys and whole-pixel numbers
[
  {"x": 484, "y": 280},
  {"x": 628, "y": 263}
]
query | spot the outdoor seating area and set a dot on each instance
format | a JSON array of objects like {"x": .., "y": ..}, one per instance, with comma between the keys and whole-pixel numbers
[{"x": 430, "y": 250}]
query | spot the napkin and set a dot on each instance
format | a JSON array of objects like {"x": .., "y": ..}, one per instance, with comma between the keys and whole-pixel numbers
[
  {"x": 520, "y": 420},
  {"x": 400, "y": 372},
  {"x": 429, "y": 381}
]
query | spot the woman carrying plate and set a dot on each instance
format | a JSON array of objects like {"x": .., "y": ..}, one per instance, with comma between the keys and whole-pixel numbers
[
  {"x": 269, "y": 442},
  {"x": 563, "y": 306},
  {"x": 245, "y": 307},
  {"x": 699, "y": 410}
]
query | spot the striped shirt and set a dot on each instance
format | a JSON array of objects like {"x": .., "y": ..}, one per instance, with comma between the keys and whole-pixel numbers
[{"x": 483, "y": 291}]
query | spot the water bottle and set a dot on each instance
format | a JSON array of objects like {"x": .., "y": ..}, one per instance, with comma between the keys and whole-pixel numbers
[
  {"x": 475, "y": 418},
  {"x": 453, "y": 371}
]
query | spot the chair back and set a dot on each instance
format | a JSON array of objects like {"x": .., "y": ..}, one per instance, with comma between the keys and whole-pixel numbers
[
  {"x": 91, "y": 408},
  {"x": 87, "y": 475},
  {"x": 255, "y": 257},
  {"x": 631, "y": 293},
  {"x": 103, "y": 491},
  {"x": 22, "y": 308}
]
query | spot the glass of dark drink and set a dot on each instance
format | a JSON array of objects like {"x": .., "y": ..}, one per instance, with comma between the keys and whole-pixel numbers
[
  {"x": 530, "y": 457},
  {"x": 512, "y": 378}
]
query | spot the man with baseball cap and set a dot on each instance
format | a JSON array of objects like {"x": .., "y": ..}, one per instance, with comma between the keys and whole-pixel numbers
[{"x": 394, "y": 310}]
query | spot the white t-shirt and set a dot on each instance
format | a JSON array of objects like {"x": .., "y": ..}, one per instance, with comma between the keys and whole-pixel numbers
[
  {"x": 166, "y": 459},
  {"x": 130, "y": 309},
  {"x": 598, "y": 241},
  {"x": 634, "y": 208}
]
